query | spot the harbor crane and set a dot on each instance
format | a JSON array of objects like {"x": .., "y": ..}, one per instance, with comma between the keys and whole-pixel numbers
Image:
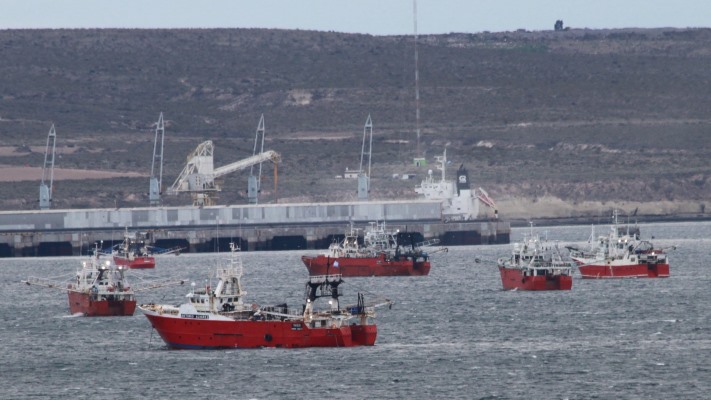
[
  {"x": 45, "y": 193},
  {"x": 254, "y": 183},
  {"x": 156, "y": 182},
  {"x": 363, "y": 178},
  {"x": 199, "y": 175}
]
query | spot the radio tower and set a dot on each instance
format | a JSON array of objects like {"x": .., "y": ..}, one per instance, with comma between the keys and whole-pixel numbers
[{"x": 417, "y": 80}]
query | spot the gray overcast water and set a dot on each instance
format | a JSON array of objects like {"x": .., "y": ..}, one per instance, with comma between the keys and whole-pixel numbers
[{"x": 453, "y": 334}]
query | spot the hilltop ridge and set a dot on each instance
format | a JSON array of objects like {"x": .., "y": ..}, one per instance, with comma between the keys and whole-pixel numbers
[{"x": 549, "y": 123}]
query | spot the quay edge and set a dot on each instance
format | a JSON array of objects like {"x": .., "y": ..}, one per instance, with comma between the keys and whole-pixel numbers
[{"x": 253, "y": 227}]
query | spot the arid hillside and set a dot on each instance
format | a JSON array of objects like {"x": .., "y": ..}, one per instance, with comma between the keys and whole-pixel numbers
[{"x": 551, "y": 124}]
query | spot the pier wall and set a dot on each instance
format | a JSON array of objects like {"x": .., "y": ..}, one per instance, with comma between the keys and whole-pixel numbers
[{"x": 254, "y": 227}]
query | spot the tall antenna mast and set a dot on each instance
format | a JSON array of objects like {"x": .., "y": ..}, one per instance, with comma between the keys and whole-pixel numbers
[
  {"x": 156, "y": 182},
  {"x": 45, "y": 199},
  {"x": 254, "y": 184},
  {"x": 417, "y": 79}
]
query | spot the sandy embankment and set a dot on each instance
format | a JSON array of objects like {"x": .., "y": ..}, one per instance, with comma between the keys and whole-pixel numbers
[
  {"x": 17, "y": 174},
  {"x": 553, "y": 207}
]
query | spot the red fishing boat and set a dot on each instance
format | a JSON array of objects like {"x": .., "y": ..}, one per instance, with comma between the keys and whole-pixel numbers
[
  {"x": 617, "y": 255},
  {"x": 535, "y": 265},
  {"x": 216, "y": 317},
  {"x": 100, "y": 288},
  {"x": 380, "y": 255},
  {"x": 133, "y": 252}
]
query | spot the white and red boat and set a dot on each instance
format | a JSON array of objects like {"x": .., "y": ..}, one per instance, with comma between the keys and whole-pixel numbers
[
  {"x": 216, "y": 317},
  {"x": 618, "y": 255},
  {"x": 133, "y": 252},
  {"x": 535, "y": 265},
  {"x": 380, "y": 255},
  {"x": 99, "y": 289}
]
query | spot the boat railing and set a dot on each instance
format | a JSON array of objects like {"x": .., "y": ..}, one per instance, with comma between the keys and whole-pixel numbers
[
  {"x": 324, "y": 278},
  {"x": 279, "y": 312},
  {"x": 430, "y": 242}
]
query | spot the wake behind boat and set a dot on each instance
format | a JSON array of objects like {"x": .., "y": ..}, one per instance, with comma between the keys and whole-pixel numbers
[
  {"x": 535, "y": 265},
  {"x": 618, "y": 255},
  {"x": 380, "y": 255},
  {"x": 218, "y": 318}
]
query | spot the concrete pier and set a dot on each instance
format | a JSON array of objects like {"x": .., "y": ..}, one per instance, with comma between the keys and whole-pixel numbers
[{"x": 253, "y": 227}]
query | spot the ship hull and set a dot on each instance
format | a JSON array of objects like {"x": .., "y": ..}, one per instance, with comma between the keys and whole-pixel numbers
[
  {"x": 624, "y": 271},
  {"x": 192, "y": 333},
  {"x": 513, "y": 279},
  {"x": 136, "y": 263},
  {"x": 365, "y": 266},
  {"x": 82, "y": 303}
]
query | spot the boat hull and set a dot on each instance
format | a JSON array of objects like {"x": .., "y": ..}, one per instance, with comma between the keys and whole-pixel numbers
[
  {"x": 83, "y": 303},
  {"x": 590, "y": 271},
  {"x": 365, "y": 266},
  {"x": 136, "y": 263},
  {"x": 513, "y": 279},
  {"x": 193, "y": 333}
]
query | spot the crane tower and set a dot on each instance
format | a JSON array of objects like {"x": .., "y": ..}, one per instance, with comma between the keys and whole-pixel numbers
[
  {"x": 156, "y": 182},
  {"x": 254, "y": 183},
  {"x": 363, "y": 178},
  {"x": 45, "y": 195},
  {"x": 199, "y": 174}
]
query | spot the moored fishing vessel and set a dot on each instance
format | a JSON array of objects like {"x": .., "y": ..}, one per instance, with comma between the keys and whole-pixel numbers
[
  {"x": 380, "y": 255},
  {"x": 218, "y": 318},
  {"x": 99, "y": 288},
  {"x": 132, "y": 252},
  {"x": 535, "y": 265},
  {"x": 618, "y": 255}
]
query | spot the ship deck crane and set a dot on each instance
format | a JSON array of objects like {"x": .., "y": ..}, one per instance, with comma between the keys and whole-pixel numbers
[
  {"x": 45, "y": 195},
  {"x": 198, "y": 176}
]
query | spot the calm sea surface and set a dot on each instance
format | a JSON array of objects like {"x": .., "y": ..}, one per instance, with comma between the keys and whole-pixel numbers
[{"x": 453, "y": 334}]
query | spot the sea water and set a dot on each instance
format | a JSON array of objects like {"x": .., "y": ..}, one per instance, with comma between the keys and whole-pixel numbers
[{"x": 452, "y": 334}]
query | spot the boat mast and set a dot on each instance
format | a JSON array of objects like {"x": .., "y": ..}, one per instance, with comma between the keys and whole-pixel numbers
[
  {"x": 45, "y": 199},
  {"x": 156, "y": 182}
]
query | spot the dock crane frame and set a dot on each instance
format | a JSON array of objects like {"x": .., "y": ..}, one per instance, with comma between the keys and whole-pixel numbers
[
  {"x": 45, "y": 192},
  {"x": 156, "y": 182},
  {"x": 198, "y": 175},
  {"x": 363, "y": 178},
  {"x": 254, "y": 183}
]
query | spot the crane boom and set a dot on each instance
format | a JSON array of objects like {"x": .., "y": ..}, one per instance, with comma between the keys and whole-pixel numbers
[
  {"x": 268, "y": 155},
  {"x": 45, "y": 198},
  {"x": 156, "y": 181},
  {"x": 199, "y": 174}
]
